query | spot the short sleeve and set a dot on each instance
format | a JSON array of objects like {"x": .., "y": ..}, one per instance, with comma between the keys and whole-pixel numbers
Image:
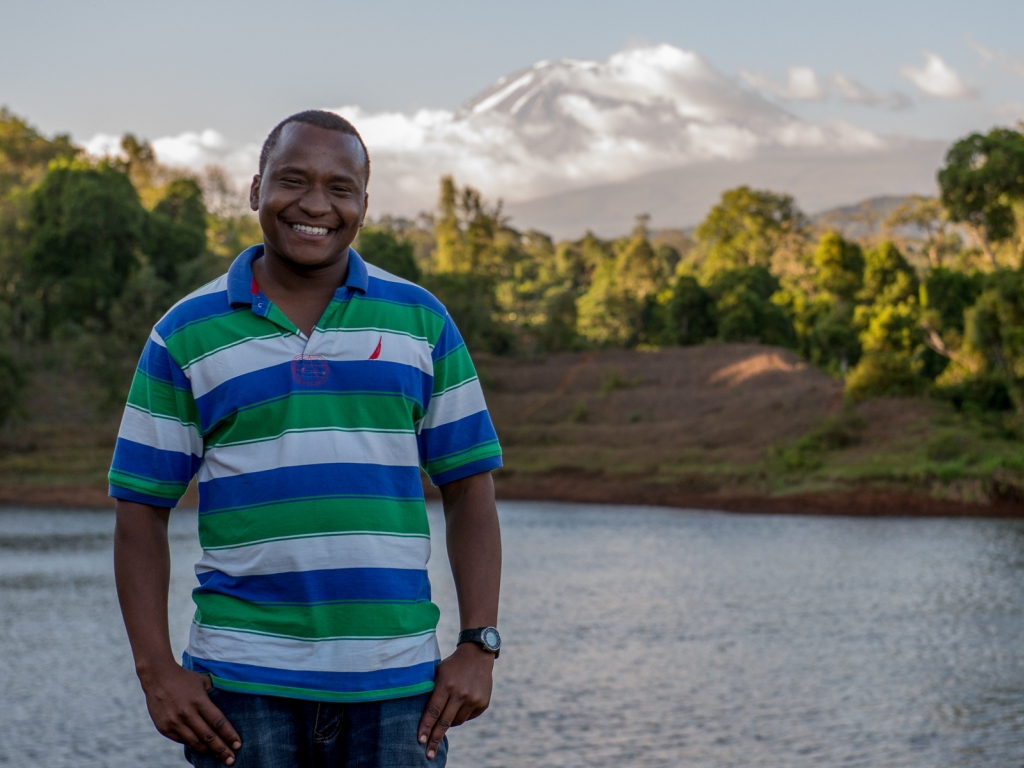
[
  {"x": 456, "y": 436},
  {"x": 159, "y": 447}
]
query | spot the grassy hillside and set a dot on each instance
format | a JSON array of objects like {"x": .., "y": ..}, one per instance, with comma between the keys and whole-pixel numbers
[{"x": 732, "y": 426}]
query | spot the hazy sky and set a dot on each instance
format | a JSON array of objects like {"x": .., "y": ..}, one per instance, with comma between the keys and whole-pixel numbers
[{"x": 160, "y": 68}]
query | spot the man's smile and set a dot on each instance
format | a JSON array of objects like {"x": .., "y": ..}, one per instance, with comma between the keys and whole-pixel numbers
[{"x": 305, "y": 229}]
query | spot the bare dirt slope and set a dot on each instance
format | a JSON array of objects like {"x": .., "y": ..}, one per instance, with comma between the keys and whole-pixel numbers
[{"x": 663, "y": 412}]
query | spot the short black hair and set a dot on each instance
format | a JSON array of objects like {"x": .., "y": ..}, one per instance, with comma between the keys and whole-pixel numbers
[{"x": 319, "y": 118}]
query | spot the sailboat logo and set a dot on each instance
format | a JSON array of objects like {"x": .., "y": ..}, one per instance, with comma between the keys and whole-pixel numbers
[{"x": 376, "y": 352}]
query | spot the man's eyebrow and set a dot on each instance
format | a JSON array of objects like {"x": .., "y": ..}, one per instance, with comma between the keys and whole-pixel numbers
[{"x": 305, "y": 171}]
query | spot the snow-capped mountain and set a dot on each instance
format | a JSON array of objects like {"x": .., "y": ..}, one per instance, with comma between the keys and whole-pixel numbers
[{"x": 567, "y": 125}]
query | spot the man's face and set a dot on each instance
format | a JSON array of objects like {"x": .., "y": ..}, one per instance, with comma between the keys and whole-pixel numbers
[{"x": 311, "y": 197}]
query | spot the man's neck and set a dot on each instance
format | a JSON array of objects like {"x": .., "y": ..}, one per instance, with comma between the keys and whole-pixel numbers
[{"x": 301, "y": 293}]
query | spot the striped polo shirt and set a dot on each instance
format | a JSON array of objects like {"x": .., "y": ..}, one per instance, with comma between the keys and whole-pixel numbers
[{"x": 313, "y": 579}]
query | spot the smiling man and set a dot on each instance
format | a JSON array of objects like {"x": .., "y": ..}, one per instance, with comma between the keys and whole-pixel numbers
[{"x": 306, "y": 389}]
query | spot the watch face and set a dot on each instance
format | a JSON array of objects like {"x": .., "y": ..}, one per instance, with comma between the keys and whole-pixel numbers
[{"x": 491, "y": 639}]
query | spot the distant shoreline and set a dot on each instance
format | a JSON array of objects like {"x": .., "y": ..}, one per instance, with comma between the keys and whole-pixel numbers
[{"x": 593, "y": 488}]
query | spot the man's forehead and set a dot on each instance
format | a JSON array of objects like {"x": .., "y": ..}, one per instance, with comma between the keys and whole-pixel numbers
[{"x": 301, "y": 139}]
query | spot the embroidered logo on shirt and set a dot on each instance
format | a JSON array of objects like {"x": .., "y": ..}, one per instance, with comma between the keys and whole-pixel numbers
[
  {"x": 376, "y": 352},
  {"x": 309, "y": 370}
]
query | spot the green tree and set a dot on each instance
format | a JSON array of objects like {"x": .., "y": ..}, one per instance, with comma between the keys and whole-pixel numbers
[
  {"x": 888, "y": 276},
  {"x": 747, "y": 227},
  {"x": 177, "y": 228},
  {"x": 994, "y": 330},
  {"x": 983, "y": 177},
  {"x": 691, "y": 313},
  {"x": 382, "y": 248},
  {"x": 744, "y": 307},
  {"x": 86, "y": 227},
  {"x": 24, "y": 157},
  {"x": 839, "y": 267},
  {"x": 620, "y": 307}
]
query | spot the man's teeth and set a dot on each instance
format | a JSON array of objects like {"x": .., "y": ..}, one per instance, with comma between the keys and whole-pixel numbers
[{"x": 310, "y": 230}]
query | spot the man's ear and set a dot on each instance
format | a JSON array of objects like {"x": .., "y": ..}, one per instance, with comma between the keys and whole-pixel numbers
[
  {"x": 254, "y": 193},
  {"x": 366, "y": 207}
]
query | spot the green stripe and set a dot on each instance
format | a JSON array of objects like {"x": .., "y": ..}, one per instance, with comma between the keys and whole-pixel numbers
[
  {"x": 316, "y": 621},
  {"x": 278, "y": 317},
  {"x": 307, "y": 410},
  {"x": 310, "y": 517},
  {"x": 163, "y": 399},
  {"x": 132, "y": 482},
  {"x": 213, "y": 334},
  {"x": 415, "y": 320},
  {"x": 313, "y": 694},
  {"x": 445, "y": 463},
  {"x": 453, "y": 368}
]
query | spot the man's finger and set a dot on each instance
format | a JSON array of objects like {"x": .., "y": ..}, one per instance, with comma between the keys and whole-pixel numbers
[
  {"x": 431, "y": 713},
  {"x": 212, "y": 715},
  {"x": 209, "y": 738},
  {"x": 444, "y": 722},
  {"x": 182, "y": 734}
]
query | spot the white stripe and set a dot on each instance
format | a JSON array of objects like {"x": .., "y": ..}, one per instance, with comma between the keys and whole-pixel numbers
[
  {"x": 214, "y": 286},
  {"x": 454, "y": 404},
  {"x": 374, "y": 271},
  {"x": 156, "y": 338},
  {"x": 161, "y": 432},
  {"x": 252, "y": 355},
  {"x": 318, "y": 553},
  {"x": 360, "y": 344},
  {"x": 300, "y": 448},
  {"x": 369, "y": 655}
]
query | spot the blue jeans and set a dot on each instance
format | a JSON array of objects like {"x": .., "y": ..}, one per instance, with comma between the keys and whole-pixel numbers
[{"x": 289, "y": 733}]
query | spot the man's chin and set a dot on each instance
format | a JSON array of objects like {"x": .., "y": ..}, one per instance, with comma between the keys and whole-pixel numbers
[{"x": 311, "y": 261}]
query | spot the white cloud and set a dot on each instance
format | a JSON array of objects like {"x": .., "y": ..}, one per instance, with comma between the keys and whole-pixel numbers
[
  {"x": 802, "y": 84},
  {"x": 191, "y": 150},
  {"x": 854, "y": 92},
  {"x": 1011, "y": 65},
  {"x": 936, "y": 78}
]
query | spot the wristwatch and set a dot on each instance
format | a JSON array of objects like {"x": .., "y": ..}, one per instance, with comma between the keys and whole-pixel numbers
[{"x": 486, "y": 637}]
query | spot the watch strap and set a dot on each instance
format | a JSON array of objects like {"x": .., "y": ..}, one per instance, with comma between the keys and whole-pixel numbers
[{"x": 476, "y": 636}]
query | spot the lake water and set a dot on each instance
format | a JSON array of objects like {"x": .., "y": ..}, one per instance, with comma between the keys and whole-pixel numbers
[{"x": 634, "y": 637}]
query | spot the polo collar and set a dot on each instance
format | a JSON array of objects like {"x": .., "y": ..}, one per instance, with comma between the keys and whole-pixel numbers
[{"x": 240, "y": 279}]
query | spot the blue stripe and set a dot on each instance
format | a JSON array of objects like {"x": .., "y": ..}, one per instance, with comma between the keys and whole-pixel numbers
[
  {"x": 275, "y": 382},
  {"x": 324, "y": 586},
  {"x": 156, "y": 362},
  {"x": 449, "y": 340},
  {"x": 456, "y": 436},
  {"x": 309, "y": 481},
  {"x": 400, "y": 293},
  {"x": 467, "y": 470},
  {"x": 126, "y": 494},
  {"x": 195, "y": 310},
  {"x": 160, "y": 466},
  {"x": 328, "y": 682}
]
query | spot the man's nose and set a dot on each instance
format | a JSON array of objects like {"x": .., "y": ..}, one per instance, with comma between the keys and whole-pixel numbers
[{"x": 315, "y": 202}]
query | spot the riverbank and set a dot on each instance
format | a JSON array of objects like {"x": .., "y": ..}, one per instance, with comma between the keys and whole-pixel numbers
[{"x": 736, "y": 427}]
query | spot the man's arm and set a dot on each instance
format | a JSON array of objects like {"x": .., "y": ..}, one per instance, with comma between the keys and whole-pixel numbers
[
  {"x": 462, "y": 686},
  {"x": 176, "y": 697}
]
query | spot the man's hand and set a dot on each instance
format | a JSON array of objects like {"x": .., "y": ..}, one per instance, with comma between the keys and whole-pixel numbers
[
  {"x": 462, "y": 691},
  {"x": 183, "y": 712}
]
